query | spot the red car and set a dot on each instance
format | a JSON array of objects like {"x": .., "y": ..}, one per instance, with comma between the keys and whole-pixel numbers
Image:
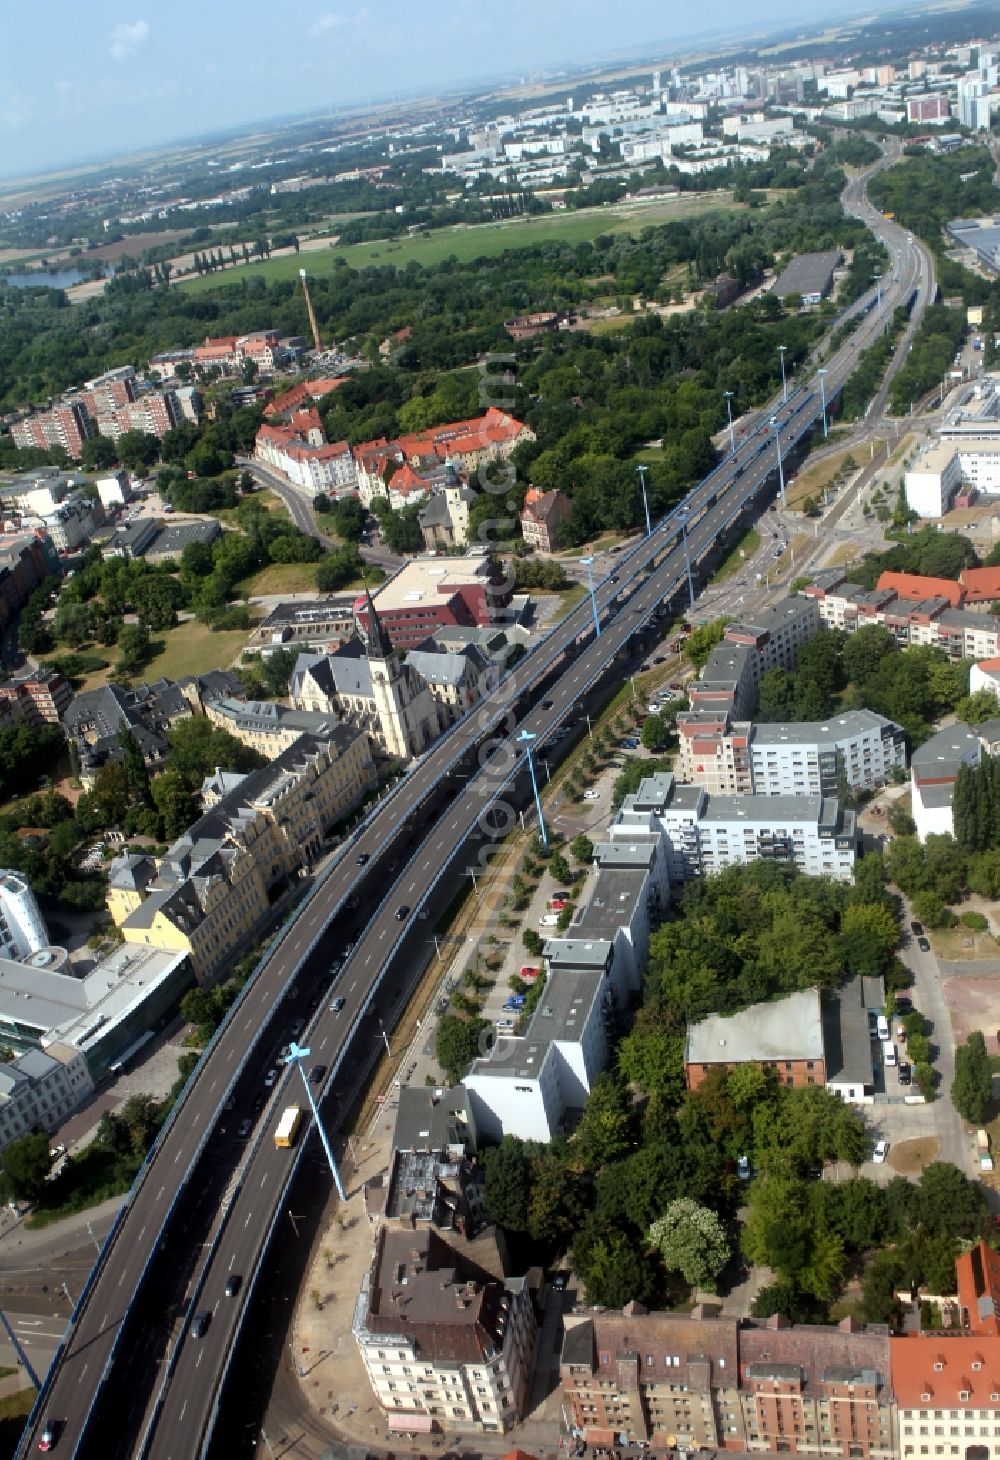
[{"x": 528, "y": 973}]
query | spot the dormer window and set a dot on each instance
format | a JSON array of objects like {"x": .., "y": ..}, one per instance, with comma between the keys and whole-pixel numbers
[{"x": 938, "y": 1366}]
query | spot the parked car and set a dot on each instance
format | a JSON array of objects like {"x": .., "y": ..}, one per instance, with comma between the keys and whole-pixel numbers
[
  {"x": 880, "y": 1152},
  {"x": 514, "y": 1001},
  {"x": 904, "y": 1073},
  {"x": 529, "y": 971},
  {"x": 916, "y": 929},
  {"x": 548, "y": 920},
  {"x": 923, "y": 945},
  {"x": 904, "y": 1004},
  {"x": 743, "y": 1168},
  {"x": 592, "y": 795}
]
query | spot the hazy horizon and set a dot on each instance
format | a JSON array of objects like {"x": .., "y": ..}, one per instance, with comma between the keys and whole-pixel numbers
[{"x": 101, "y": 81}]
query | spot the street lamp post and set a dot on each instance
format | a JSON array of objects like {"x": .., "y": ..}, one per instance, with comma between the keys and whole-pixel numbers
[
  {"x": 385, "y": 1037},
  {"x": 821, "y": 372},
  {"x": 642, "y": 470},
  {"x": 296, "y": 1054},
  {"x": 525, "y": 738},
  {"x": 729, "y": 407},
  {"x": 687, "y": 558},
  {"x": 784, "y": 380},
  {"x": 776, "y": 424},
  {"x": 588, "y": 563}
]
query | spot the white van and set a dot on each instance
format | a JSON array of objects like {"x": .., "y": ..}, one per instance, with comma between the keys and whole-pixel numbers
[
  {"x": 883, "y": 1028},
  {"x": 888, "y": 1053}
]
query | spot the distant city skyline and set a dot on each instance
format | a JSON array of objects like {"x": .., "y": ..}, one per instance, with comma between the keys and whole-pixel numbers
[{"x": 97, "y": 80}]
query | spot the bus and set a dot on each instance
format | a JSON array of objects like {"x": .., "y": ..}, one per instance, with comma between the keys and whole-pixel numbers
[{"x": 288, "y": 1127}]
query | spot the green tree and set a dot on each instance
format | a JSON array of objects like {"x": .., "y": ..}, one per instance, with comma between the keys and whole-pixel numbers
[
  {"x": 655, "y": 733},
  {"x": 98, "y": 454},
  {"x": 972, "y": 1087},
  {"x": 652, "y": 1058},
  {"x": 560, "y": 868},
  {"x": 975, "y": 708},
  {"x": 457, "y": 1044},
  {"x": 197, "y": 748},
  {"x": 702, "y": 640},
  {"x": 605, "y": 1129},
  {"x": 134, "y": 648},
  {"x": 508, "y": 1183},
  {"x": 349, "y": 519},
  {"x": 613, "y": 1269},
  {"x": 691, "y": 1240},
  {"x": 137, "y": 450},
  {"x": 175, "y": 802},
  {"x": 582, "y": 848},
  {"x": 24, "y": 1165}
]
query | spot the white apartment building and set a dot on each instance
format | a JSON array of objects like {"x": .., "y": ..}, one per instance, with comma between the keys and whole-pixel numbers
[
  {"x": 40, "y": 1090},
  {"x": 445, "y": 1345},
  {"x": 961, "y": 632},
  {"x": 736, "y": 758},
  {"x": 22, "y": 927},
  {"x": 985, "y": 675},
  {"x": 704, "y": 834}
]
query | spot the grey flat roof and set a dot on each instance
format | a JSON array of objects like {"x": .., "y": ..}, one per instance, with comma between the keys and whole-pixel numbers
[
  {"x": 937, "y": 797},
  {"x": 831, "y": 732},
  {"x": 612, "y": 902},
  {"x": 846, "y": 1036},
  {"x": 625, "y": 854},
  {"x": 433, "y": 1119},
  {"x": 944, "y": 752},
  {"x": 808, "y": 273},
  {"x": 764, "y": 808},
  {"x": 574, "y": 954},
  {"x": 564, "y": 1005},
  {"x": 790, "y": 1028}
]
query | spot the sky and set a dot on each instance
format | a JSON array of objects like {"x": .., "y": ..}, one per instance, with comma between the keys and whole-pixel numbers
[{"x": 85, "y": 80}]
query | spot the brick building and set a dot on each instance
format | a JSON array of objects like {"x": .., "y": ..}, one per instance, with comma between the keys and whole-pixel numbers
[
  {"x": 785, "y": 1036},
  {"x": 67, "y": 426},
  {"x": 545, "y": 513}
]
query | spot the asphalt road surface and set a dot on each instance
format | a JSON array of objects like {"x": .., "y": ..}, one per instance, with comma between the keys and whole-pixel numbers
[{"x": 132, "y": 1379}]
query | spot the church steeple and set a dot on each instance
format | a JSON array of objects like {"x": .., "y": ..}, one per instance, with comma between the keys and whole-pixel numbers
[{"x": 379, "y": 643}]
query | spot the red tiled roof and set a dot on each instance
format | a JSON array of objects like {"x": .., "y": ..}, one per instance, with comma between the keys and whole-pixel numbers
[
  {"x": 980, "y": 584},
  {"x": 944, "y": 1366},
  {"x": 916, "y": 586}
]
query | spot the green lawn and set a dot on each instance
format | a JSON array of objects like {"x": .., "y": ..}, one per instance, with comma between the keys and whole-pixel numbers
[
  {"x": 482, "y": 240},
  {"x": 280, "y": 578},
  {"x": 14, "y": 1410},
  {"x": 190, "y": 648},
  {"x": 744, "y": 549}
]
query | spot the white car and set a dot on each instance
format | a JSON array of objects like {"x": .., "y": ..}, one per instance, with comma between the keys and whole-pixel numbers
[
  {"x": 880, "y": 1152},
  {"x": 592, "y": 795},
  {"x": 550, "y": 920}
]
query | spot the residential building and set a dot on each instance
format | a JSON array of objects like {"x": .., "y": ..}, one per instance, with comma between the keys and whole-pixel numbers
[
  {"x": 22, "y": 927},
  {"x": 114, "y": 490},
  {"x": 431, "y": 593},
  {"x": 737, "y": 757},
  {"x": 703, "y": 1382},
  {"x": 934, "y": 768},
  {"x": 985, "y": 675},
  {"x": 446, "y": 1345},
  {"x": 300, "y": 451},
  {"x": 702, "y": 834},
  {"x": 67, "y": 426},
  {"x": 785, "y": 1036},
  {"x": 73, "y": 523},
  {"x": 945, "y": 466},
  {"x": 980, "y": 585},
  {"x": 543, "y": 517},
  {"x": 977, "y": 1274},
  {"x": 156, "y": 413},
  {"x": 467, "y": 444},
  {"x": 38, "y": 697},
  {"x": 94, "y": 719},
  {"x": 26, "y": 560},
  {"x": 962, "y": 633},
  {"x": 947, "y": 1390},
  {"x": 931, "y": 107},
  {"x": 40, "y": 1089},
  {"x": 210, "y": 891}
]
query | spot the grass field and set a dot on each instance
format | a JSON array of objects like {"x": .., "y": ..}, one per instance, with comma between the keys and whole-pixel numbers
[
  {"x": 744, "y": 549},
  {"x": 482, "y": 240},
  {"x": 190, "y": 648},
  {"x": 816, "y": 475},
  {"x": 280, "y": 578},
  {"x": 14, "y": 1410}
]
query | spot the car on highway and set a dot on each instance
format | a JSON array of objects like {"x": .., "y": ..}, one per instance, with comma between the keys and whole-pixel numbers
[
  {"x": 546, "y": 704},
  {"x": 363, "y": 858},
  {"x": 923, "y": 945},
  {"x": 233, "y": 1284},
  {"x": 49, "y": 1436},
  {"x": 200, "y": 1322},
  {"x": 880, "y": 1152},
  {"x": 402, "y": 913},
  {"x": 271, "y": 1078},
  {"x": 244, "y": 1128},
  {"x": 316, "y": 1074},
  {"x": 337, "y": 1005},
  {"x": 592, "y": 795},
  {"x": 548, "y": 920}
]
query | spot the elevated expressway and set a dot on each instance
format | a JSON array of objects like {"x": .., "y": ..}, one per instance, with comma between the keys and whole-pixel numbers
[{"x": 129, "y": 1379}]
